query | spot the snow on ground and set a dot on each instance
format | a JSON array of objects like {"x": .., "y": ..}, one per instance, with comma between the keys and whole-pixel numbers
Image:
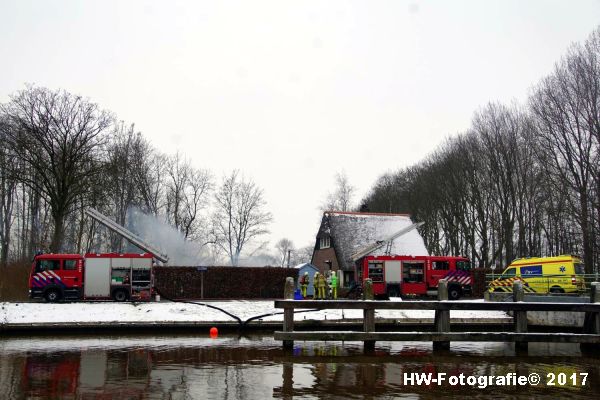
[{"x": 89, "y": 312}]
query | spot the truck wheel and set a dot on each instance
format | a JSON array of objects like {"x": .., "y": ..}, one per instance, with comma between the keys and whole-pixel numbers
[
  {"x": 52, "y": 296},
  {"x": 119, "y": 295},
  {"x": 557, "y": 289},
  {"x": 454, "y": 292}
]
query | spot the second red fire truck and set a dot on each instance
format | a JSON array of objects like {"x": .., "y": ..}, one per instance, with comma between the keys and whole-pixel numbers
[
  {"x": 395, "y": 275},
  {"x": 406, "y": 275}
]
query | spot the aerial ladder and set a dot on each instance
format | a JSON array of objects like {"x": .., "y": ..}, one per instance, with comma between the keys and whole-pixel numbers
[
  {"x": 388, "y": 241},
  {"x": 127, "y": 234}
]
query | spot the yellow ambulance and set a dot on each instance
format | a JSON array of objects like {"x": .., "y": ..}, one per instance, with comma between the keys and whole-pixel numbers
[{"x": 560, "y": 274}]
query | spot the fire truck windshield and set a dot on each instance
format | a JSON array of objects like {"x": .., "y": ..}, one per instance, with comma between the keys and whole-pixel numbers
[{"x": 47, "y": 265}]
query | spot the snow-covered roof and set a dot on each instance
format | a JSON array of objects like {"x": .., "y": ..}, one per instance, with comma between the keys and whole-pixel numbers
[
  {"x": 305, "y": 265},
  {"x": 353, "y": 231}
]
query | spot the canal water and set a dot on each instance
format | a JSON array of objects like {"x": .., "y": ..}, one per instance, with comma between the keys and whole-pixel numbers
[{"x": 256, "y": 367}]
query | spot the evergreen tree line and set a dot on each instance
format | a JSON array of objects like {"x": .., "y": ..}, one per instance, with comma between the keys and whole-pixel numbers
[
  {"x": 522, "y": 181},
  {"x": 61, "y": 153}
]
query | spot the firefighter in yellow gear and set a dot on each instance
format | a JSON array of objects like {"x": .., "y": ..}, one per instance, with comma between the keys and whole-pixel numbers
[
  {"x": 316, "y": 285},
  {"x": 321, "y": 284},
  {"x": 334, "y": 285},
  {"x": 304, "y": 284}
]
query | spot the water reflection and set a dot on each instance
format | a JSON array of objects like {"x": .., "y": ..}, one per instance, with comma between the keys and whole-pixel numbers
[
  {"x": 86, "y": 375},
  {"x": 188, "y": 367}
]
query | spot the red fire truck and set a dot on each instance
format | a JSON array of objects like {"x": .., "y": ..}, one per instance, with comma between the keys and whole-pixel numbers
[
  {"x": 394, "y": 275},
  {"x": 86, "y": 375},
  {"x": 96, "y": 276}
]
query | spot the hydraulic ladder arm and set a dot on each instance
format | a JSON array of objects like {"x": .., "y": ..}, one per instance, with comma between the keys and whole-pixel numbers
[
  {"x": 127, "y": 234},
  {"x": 385, "y": 242}
]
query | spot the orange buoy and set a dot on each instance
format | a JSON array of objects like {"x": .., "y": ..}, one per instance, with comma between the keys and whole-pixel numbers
[{"x": 214, "y": 332}]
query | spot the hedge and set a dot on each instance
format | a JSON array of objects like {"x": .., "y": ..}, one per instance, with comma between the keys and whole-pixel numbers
[
  {"x": 14, "y": 282},
  {"x": 479, "y": 283},
  {"x": 221, "y": 282}
]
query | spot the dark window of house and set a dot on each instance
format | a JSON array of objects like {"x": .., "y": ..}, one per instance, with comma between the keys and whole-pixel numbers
[{"x": 325, "y": 243}]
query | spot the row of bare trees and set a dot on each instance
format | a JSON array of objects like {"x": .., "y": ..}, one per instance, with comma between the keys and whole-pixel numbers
[
  {"x": 61, "y": 153},
  {"x": 522, "y": 181}
]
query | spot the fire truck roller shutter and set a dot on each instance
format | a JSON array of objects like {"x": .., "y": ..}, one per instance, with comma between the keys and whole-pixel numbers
[
  {"x": 97, "y": 277},
  {"x": 393, "y": 277},
  {"x": 393, "y": 272}
]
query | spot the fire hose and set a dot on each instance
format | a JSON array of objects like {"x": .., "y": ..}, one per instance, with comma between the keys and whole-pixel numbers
[{"x": 241, "y": 323}]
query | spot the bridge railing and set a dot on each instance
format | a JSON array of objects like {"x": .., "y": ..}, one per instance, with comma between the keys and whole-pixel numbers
[{"x": 441, "y": 336}]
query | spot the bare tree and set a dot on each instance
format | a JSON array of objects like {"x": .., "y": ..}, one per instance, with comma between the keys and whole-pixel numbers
[
  {"x": 284, "y": 247},
  {"x": 500, "y": 130},
  {"x": 239, "y": 215},
  {"x": 59, "y": 136},
  {"x": 187, "y": 190},
  {"x": 569, "y": 144},
  {"x": 150, "y": 175},
  {"x": 302, "y": 255},
  {"x": 177, "y": 172},
  {"x": 199, "y": 185},
  {"x": 475, "y": 191},
  {"x": 341, "y": 198},
  {"x": 122, "y": 188},
  {"x": 386, "y": 193},
  {"x": 8, "y": 188}
]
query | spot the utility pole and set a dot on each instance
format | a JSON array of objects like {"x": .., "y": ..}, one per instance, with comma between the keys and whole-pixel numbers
[{"x": 289, "y": 252}]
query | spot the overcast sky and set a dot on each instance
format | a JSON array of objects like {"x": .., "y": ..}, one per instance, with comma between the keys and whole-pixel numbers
[{"x": 291, "y": 92}]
